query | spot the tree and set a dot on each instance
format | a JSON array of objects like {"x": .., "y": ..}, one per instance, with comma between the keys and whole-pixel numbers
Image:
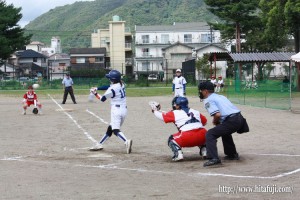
[
  {"x": 12, "y": 36},
  {"x": 274, "y": 36},
  {"x": 237, "y": 16},
  {"x": 292, "y": 17},
  {"x": 203, "y": 67}
]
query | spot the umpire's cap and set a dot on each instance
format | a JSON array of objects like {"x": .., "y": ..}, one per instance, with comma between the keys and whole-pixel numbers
[{"x": 206, "y": 86}]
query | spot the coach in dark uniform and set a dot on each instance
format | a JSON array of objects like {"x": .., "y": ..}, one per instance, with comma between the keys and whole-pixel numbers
[
  {"x": 227, "y": 119},
  {"x": 68, "y": 86}
]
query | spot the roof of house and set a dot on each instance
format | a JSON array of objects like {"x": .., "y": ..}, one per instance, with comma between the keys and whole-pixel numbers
[
  {"x": 88, "y": 51},
  {"x": 189, "y": 26},
  {"x": 29, "y": 53},
  {"x": 251, "y": 57},
  {"x": 177, "y": 44},
  {"x": 218, "y": 45},
  {"x": 59, "y": 56}
]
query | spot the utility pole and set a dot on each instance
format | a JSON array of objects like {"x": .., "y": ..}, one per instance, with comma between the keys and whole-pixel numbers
[{"x": 211, "y": 40}]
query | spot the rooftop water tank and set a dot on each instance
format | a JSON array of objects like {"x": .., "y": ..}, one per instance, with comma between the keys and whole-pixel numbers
[{"x": 116, "y": 18}]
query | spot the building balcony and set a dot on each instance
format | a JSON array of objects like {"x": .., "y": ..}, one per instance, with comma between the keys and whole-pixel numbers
[
  {"x": 128, "y": 47},
  {"x": 128, "y": 61}
]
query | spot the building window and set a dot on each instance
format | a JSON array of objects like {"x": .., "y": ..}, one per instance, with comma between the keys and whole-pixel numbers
[
  {"x": 205, "y": 38},
  {"x": 187, "y": 38},
  {"x": 145, "y": 66},
  {"x": 165, "y": 38},
  {"x": 34, "y": 59},
  {"x": 145, "y": 38},
  {"x": 103, "y": 42},
  {"x": 99, "y": 59},
  {"x": 80, "y": 60},
  {"x": 145, "y": 52}
]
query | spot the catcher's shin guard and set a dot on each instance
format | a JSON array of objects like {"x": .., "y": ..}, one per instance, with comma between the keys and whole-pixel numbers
[{"x": 175, "y": 148}]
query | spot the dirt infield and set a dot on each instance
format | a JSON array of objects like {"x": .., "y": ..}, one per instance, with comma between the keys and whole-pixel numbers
[{"x": 46, "y": 156}]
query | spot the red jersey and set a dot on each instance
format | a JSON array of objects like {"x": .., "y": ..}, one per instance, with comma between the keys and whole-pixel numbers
[{"x": 30, "y": 96}]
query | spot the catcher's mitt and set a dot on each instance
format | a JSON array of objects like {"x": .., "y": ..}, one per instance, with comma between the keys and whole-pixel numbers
[
  {"x": 154, "y": 105},
  {"x": 35, "y": 111}
]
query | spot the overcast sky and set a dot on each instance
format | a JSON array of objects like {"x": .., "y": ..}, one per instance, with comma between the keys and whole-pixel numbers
[{"x": 31, "y": 9}]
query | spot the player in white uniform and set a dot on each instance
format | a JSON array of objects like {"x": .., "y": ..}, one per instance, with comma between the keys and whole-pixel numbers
[
  {"x": 116, "y": 92},
  {"x": 220, "y": 84},
  {"x": 214, "y": 81},
  {"x": 179, "y": 83}
]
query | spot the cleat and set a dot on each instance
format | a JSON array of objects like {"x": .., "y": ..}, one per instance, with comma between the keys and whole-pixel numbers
[
  {"x": 24, "y": 112},
  {"x": 178, "y": 157},
  {"x": 203, "y": 151},
  {"x": 128, "y": 145},
  {"x": 232, "y": 157},
  {"x": 97, "y": 147},
  {"x": 212, "y": 162}
]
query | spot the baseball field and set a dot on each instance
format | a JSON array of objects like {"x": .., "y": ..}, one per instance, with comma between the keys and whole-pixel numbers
[{"x": 46, "y": 156}]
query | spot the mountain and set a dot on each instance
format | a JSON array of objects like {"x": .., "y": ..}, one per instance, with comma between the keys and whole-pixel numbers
[{"x": 74, "y": 23}]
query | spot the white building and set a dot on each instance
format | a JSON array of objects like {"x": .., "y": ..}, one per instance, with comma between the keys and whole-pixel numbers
[
  {"x": 36, "y": 46},
  {"x": 152, "y": 41},
  {"x": 42, "y": 48}
]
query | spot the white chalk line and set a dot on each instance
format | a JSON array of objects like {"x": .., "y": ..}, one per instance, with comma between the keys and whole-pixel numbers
[
  {"x": 114, "y": 167},
  {"x": 274, "y": 154},
  {"x": 101, "y": 120},
  {"x": 75, "y": 122}
]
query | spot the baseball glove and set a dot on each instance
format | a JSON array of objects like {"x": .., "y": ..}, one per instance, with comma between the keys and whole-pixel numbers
[
  {"x": 35, "y": 111},
  {"x": 154, "y": 105}
]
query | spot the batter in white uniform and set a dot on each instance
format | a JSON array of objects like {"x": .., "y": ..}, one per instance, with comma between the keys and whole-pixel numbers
[{"x": 117, "y": 93}]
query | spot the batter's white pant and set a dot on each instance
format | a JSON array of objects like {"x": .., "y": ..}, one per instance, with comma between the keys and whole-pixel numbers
[{"x": 118, "y": 114}]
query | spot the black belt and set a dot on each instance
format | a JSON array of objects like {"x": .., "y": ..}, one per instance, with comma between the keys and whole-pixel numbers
[
  {"x": 232, "y": 115},
  {"x": 118, "y": 106},
  {"x": 178, "y": 88}
]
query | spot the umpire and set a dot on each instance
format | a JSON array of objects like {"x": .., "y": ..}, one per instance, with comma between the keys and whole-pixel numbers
[
  {"x": 68, "y": 86},
  {"x": 227, "y": 119}
]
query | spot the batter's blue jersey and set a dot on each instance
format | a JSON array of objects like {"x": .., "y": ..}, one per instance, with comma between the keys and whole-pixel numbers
[{"x": 215, "y": 103}]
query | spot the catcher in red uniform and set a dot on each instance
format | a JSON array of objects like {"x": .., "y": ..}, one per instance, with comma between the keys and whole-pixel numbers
[
  {"x": 30, "y": 98},
  {"x": 190, "y": 124}
]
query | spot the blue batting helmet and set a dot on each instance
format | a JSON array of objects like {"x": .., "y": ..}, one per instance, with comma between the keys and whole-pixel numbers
[
  {"x": 114, "y": 76},
  {"x": 182, "y": 102}
]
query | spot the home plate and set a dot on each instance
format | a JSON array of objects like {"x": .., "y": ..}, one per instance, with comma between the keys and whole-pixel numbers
[
  {"x": 66, "y": 110},
  {"x": 100, "y": 156}
]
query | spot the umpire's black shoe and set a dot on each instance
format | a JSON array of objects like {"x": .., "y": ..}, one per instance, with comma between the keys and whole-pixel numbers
[
  {"x": 232, "y": 157},
  {"x": 212, "y": 162}
]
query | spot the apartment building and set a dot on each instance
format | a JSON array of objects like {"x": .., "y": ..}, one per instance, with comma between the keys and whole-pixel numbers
[
  {"x": 117, "y": 40},
  {"x": 163, "y": 48}
]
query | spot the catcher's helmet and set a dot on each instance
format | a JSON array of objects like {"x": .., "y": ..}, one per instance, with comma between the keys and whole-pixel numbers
[
  {"x": 114, "y": 76},
  {"x": 182, "y": 102},
  {"x": 206, "y": 86}
]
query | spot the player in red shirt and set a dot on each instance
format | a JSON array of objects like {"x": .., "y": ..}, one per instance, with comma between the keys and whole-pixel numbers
[
  {"x": 189, "y": 123},
  {"x": 30, "y": 98}
]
